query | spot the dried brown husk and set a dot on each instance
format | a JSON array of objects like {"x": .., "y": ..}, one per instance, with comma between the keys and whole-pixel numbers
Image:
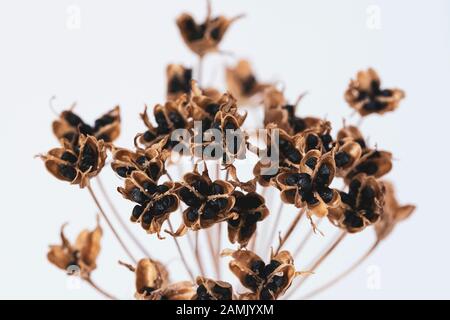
[
  {"x": 156, "y": 134},
  {"x": 81, "y": 255},
  {"x": 290, "y": 193},
  {"x": 176, "y": 291},
  {"x": 204, "y": 38},
  {"x": 261, "y": 282},
  {"x": 373, "y": 162},
  {"x": 178, "y": 81},
  {"x": 393, "y": 212},
  {"x": 354, "y": 218},
  {"x": 243, "y": 85},
  {"x": 65, "y": 132},
  {"x": 53, "y": 160},
  {"x": 192, "y": 179},
  {"x": 249, "y": 209},
  {"x": 351, "y": 133},
  {"x": 213, "y": 290},
  {"x": 360, "y": 90},
  {"x": 139, "y": 180},
  {"x": 127, "y": 161}
]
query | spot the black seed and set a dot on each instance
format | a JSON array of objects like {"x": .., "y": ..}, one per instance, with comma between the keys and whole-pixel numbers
[
  {"x": 353, "y": 220},
  {"x": 292, "y": 179},
  {"x": 153, "y": 171},
  {"x": 252, "y": 202},
  {"x": 216, "y": 189},
  {"x": 347, "y": 199},
  {"x": 298, "y": 124},
  {"x": 257, "y": 266},
  {"x": 202, "y": 293},
  {"x": 250, "y": 282},
  {"x": 88, "y": 158},
  {"x": 147, "y": 218},
  {"x": 212, "y": 108},
  {"x": 266, "y": 294},
  {"x": 248, "y": 84},
  {"x": 192, "y": 215},
  {"x": 367, "y": 167},
  {"x": 270, "y": 268},
  {"x": 138, "y": 196},
  {"x": 326, "y": 194},
  {"x": 86, "y": 129},
  {"x": 188, "y": 197},
  {"x": 70, "y": 136},
  {"x": 141, "y": 160},
  {"x": 354, "y": 186},
  {"x": 294, "y": 156},
  {"x": 177, "y": 120},
  {"x": 162, "y": 188},
  {"x": 72, "y": 119},
  {"x": 279, "y": 281},
  {"x": 323, "y": 175},
  {"x": 69, "y": 157},
  {"x": 341, "y": 159},
  {"x": 385, "y": 93},
  {"x": 137, "y": 211},
  {"x": 150, "y": 187},
  {"x": 234, "y": 222},
  {"x": 304, "y": 182},
  {"x": 104, "y": 137},
  {"x": 201, "y": 186},
  {"x": 147, "y": 290},
  {"x": 103, "y": 121},
  {"x": 148, "y": 136},
  {"x": 67, "y": 172},
  {"x": 374, "y": 106},
  {"x": 311, "y": 142},
  {"x": 224, "y": 293},
  {"x": 290, "y": 109},
  {"x": 215, "y": 34},
  {"x": 371, "y": 215},
  {"x": 122, "y": 171},
  {"x": 362, "y": 143},
  {"x": 311, "y": 162}
]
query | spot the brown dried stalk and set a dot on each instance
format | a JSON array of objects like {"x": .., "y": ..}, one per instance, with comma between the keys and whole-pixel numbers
[
  {"x": 345, "y": 273},
  {"x": 116, "y": 234},
  {"x": 98, "y": 289},
  {"x": 290, "y": 230}
]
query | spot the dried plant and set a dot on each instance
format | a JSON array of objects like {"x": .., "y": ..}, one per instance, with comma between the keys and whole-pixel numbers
[{"x": 301, "y": 162}]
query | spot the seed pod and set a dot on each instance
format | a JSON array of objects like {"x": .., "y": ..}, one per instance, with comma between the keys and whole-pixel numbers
[
  {"x": 353, "y": 134},
  {"x": 178, "y": 81},
  {"x": 372, "y": 163},
  {"x": 265, "y": 281},
  {"x": 176, "y": 291},
  {"x": 154, "y": 203},
  {"x": 309, "y": 186},
  {"x": 151, "y": 161},
  {"x": 243, "y": 85},
  {"x": 366, "y": 97},
  {"x": 206, "y": 37},
  {"x": 82, "y": 255},
  {"x": 173, "y": 115},
  {"x": 361, "y": 206},
  {"x": 249, "y": 208},
  {"x": 209, "y": 289},
  {"x": 69, "y": 125},
  {"x": 346, "y": 156},
  {"x": 209, "y": 202},
  {"x": 393, "y": 213},
  {"x": 78, "y": 165}
]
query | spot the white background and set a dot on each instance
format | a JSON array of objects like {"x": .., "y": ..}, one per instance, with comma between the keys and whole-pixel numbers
[{"x": 118, "y": 55}]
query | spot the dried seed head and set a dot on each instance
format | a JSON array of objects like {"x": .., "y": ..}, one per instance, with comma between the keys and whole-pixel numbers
[
  {"x": 265, "y": 281},
  {"x": 154, "y": 203},
  {"x": 205, "y": 37},
  {"x": 69, "y": 125},
  {"x": 77, "y": 165},
  {"x": 361, "y": 206},
  {"x": 209, "y": 289},
  {"x": 243, "y": 85},
  {"x": 82, "y": 254},
  {"x": 393, "y": 212},
  {"x": 249, "y": 208},
  {"x": 367, "y": 97}
]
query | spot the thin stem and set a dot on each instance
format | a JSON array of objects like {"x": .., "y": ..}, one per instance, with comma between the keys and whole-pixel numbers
[
  {"x": 180, "y": 252},
  {"x": 290, "y": 230},
  {"x": 318, "y": 262},
  {"x": 98, "y": 289},
  {"x": 119, "y": 218},
  {"x": 275, "y": 224},
  {"x": 303, "y": 243},
  {"x": 212, "y": 252},
  {"x": 219, "y": 245},
  {"x": 200, "y": 71},
  {"x": 342, "y": 275},
  {"x": 198, "y": 256},
  {"x": 103, "y": 214}
]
